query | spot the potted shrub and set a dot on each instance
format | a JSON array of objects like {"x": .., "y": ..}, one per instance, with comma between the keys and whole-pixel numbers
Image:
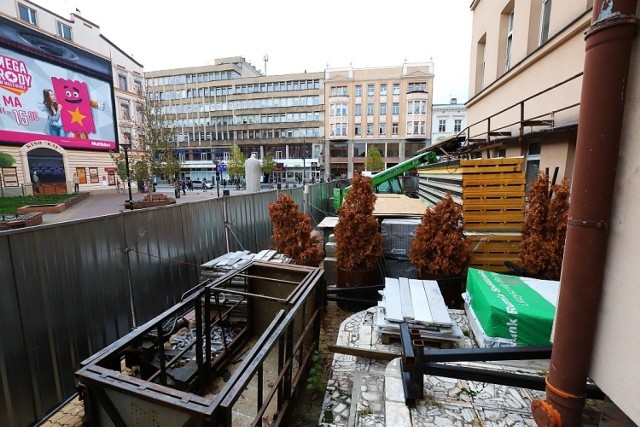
[
  {"x": 358, "y": 240},
  {"x": 544, "y": 229},
  {"x": 439, "y": 250},
  {"x": 292, "y": 232}
]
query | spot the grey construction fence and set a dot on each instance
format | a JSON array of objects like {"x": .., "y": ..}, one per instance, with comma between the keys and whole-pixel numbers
[{"x": 68, "y": 290}]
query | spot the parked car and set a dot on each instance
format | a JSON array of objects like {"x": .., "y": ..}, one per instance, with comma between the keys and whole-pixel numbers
[{"x": 197, "y": 184}]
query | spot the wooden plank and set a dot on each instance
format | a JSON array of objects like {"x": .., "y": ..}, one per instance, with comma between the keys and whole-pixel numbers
[
  {"x": 502, "y": 190},
  {"x": 405, "y": 298},
  {"x": 393, "y": 306},
  {"x": 501, "y": 179},
  {"x": 437, "y": 306},
  {"x": 490, "y": 162},
  {"x": 476, "y": 169},
  {"x": 419, "y": 300},
  {"x": 358, "y": 352},
  {"x": 493, "y": 226},
  {"x": 270, "y": 254},
  {"x": 494, "y": 203}
]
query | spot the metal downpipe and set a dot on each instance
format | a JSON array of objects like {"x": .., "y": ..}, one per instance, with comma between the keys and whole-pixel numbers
[{"x": 606, "y": 69}]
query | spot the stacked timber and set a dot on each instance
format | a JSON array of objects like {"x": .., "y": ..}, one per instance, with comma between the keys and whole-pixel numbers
[
  {"x": 493, "y": 195},
  {"x": 421, "y": 305}
]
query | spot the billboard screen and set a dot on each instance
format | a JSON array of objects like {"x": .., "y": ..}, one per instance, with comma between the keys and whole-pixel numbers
[{"x": 53, "y": 91}]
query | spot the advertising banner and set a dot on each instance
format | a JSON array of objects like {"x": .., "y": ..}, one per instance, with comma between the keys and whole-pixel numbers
[{"x": 47, "y": 98}]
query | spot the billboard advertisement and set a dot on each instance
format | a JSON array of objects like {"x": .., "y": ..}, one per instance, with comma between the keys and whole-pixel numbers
[{"x": 53, "y": 91}]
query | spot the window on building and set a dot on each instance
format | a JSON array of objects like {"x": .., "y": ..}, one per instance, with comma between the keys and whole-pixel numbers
[
  {"x": 545, "y": 16},
  {"x": 370, "y": 109},
  {"x": 64, "y": 30},
  {"x": 125, "y": 113},
  {"x": 396, "y": 109},
  {"x": 27, "y": 14},
  {"x": 533, "y": 162},
  {"x": 457, "y": 125},
  {"x": 122, "y": 81},
  {"x": 442, "y": 125},
  {"x": 369, "y": 128},
  {"x": 396, "y": 88},
  {"x": 382, "y": 131},
  {"x": 358, "y": 110},
  {"x": 417, "y": 87},
  {"x": 358, "y": 90},
  {"x": 370, "y": 90},
  {"x": 359, "y": 150},
  {"x": 137, "y": 85},
  {"x": 383, "y": 108},
  {"x": 338, "y": 91},
  {"x": 383, "y": 89},
  {"x": 507, "y": 58},
  {"x": 357, "y": 130},
  {"x": 394, "y": 129},
  {"x": 480, "y": 63}
]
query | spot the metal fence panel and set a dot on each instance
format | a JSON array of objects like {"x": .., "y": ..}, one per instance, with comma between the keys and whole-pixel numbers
[
  {"x": 203, "y": 226},
  {"x": 16, "y": 402},
  {"x": 157, "y": 259},
  {"x": 319, "y": 197},
  {"x": 249, "y": 226},
  {"x": 71, "y": 285},
  {"x": 70, "y": 289}
]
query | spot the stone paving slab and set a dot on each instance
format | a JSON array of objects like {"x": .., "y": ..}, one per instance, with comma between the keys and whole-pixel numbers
[{"x": 367, "y": 392}]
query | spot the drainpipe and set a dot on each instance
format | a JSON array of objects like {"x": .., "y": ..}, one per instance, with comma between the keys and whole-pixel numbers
[{"x": 606, "y": 70}]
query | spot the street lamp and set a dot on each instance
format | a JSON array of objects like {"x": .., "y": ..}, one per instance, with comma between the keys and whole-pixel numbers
[{"x": 126, "y": 147}]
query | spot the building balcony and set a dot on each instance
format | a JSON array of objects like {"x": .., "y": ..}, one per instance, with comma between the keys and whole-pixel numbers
[
  {"x": 416, "y": 137},
  {"x": 338, "y": 138}
]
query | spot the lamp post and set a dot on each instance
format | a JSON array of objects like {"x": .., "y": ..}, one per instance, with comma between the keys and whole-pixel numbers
[{"x": 126, "y": 147}]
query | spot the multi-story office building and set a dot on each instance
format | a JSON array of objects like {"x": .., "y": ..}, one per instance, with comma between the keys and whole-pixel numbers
[
  {"x": 213, "y": 107},
  {"x": 389, "y": 108},
  {"x": 68, "y": 96},
  {"x": 448, "y": 120}
]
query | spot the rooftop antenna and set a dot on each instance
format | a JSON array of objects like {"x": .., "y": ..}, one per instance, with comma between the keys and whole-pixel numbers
[{"x": 266, "y": 59}]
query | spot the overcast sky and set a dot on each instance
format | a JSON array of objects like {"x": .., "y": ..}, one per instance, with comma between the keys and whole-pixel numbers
[{"x": 294, "y": 34}]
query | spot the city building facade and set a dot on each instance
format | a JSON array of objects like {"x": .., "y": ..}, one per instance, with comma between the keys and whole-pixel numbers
[
  {"x": 525, "y": 80},
  {"x": 528, "y": 62},
  {"x": 212, "y": 108},
  {"x": 387, "y": 107},
  {"x": 448, "y": 120},
  {"x": 45, "y": 61}
]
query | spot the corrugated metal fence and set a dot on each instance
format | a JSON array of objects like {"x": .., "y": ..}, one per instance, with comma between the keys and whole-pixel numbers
[{"x": 68, "y": 290}]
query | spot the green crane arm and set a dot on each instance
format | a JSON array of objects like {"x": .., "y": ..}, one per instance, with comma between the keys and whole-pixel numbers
[{"x": 381, "y": 177}]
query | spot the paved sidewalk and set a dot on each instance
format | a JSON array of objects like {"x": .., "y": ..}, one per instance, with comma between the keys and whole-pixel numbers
[{"x": 104, "y": 202}]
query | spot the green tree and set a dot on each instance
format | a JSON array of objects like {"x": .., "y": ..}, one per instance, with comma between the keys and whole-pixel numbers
[
  {"x": 156, "y": 142},
  {"x": 374, "y": 159},
  {"x": 235, "y": 167},
  {"x": 6, "y": 161},
  {"x": 268, "y": 164}
]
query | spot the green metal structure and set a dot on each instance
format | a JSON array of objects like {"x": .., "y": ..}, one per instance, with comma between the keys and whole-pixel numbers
[{"x": 386, "y": 182}]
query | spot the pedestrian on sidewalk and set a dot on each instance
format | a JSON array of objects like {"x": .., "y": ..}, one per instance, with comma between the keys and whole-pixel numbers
[
  {"x": 183, "y": 184},
  {"x": 176, "y": 188},
  {"x": 36, "y": 182},
  {"x": 76, "y": 183}
]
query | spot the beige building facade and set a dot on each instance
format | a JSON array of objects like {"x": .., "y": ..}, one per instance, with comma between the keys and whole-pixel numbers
[
  {"x": 525, "y": 80},
  {"x": 527, "y": 62},
  {"x": 59, "y": 45},
  {"x": 389, "y": 108}
]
